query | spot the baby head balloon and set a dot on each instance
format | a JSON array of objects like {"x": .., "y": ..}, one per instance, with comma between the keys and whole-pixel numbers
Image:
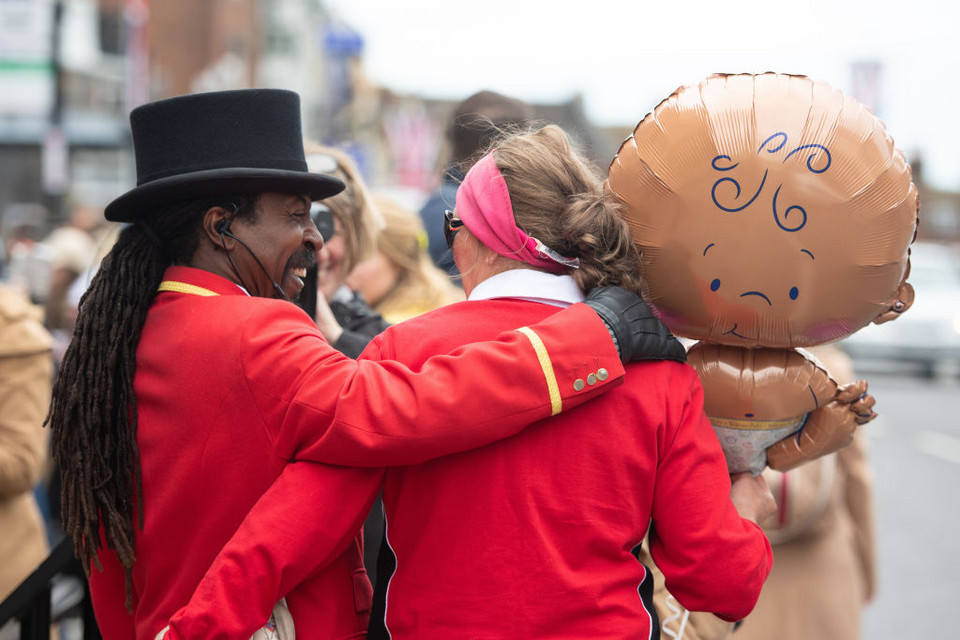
[{"x": 771, "y": 212}]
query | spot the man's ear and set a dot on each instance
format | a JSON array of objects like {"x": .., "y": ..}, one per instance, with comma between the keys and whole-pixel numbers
[
  {"x": 215, "y": 220},
  {"x": 897, "y": 304}
]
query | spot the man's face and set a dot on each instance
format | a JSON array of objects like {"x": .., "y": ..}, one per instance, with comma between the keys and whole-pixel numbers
[{"x": 284, "y": 238}]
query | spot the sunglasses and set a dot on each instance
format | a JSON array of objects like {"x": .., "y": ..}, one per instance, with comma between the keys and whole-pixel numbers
[
  {"x": 451, "y": 224},
  {"x": 322, "y": 163},
  {"x": 323, "y": 218}
]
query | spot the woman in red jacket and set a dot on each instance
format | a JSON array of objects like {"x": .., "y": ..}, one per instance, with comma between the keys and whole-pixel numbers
[{"x": 533, "y": 536}]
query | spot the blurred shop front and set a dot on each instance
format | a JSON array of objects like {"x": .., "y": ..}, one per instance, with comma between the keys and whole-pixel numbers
[{"x": 63, "y": 132}]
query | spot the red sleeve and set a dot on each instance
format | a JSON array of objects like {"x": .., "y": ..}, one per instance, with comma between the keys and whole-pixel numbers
[
  {"x": 108, "y": 594},
  {"x": 345, "y": 412},
  {"x": 304, "y": 521},
  {"x": 711, "y": 558}
]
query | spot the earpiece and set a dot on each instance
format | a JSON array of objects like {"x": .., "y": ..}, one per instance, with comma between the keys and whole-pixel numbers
[{"x": 223, "y": 226}]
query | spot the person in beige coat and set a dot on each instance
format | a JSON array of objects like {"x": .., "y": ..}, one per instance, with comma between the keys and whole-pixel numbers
[
  {"x": 824, "y": 567},
  {"x": 26, "y": 374}
]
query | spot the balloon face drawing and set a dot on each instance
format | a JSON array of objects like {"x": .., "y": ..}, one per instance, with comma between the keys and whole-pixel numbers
[
  {"x": 777, "y": 215},
  {"x": 771, "y": 212}
]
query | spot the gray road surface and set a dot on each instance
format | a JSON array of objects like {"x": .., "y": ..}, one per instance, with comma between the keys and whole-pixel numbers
[{"x": 915, "y": 449}]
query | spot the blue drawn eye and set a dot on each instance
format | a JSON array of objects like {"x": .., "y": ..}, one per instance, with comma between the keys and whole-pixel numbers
[
  {"x": 794, "y": 292},
  {"x": 715, "y": 284},
  {"x": 748, "y": 415}
]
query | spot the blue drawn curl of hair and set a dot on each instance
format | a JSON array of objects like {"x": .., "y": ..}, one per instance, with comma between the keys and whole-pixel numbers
[
  {"x": 715, "y": 163},
  {"x": 772, "y": 144},
  {"x": 777, "y": 216},
  {"x": 814, "y": 154},
  {"x": 783, "y": 141}
]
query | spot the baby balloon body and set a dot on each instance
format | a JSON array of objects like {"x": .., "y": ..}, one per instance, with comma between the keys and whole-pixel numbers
[{"x": 772, "y": 213}]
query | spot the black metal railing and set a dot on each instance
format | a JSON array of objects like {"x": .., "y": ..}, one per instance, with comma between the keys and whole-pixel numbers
[{"x": 31, "y": 604}]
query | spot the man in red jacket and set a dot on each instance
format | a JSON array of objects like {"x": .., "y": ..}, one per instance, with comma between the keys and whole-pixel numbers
[{"x": 191, "y": 379}]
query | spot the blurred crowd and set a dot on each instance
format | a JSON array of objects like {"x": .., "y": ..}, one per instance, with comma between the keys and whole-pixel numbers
[
  {"x": 43, "y": 274},
  {"x": 383, "y": 263}
]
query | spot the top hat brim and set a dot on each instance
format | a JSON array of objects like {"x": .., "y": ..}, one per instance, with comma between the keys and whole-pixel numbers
[{"x": 147, "y": 198}]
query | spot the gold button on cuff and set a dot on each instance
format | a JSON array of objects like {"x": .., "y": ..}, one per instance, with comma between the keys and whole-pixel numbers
[
  {"x": 592, "y": 379},
  {"x": 602, "y": 374},
  {"x": 578, "y": 385}
]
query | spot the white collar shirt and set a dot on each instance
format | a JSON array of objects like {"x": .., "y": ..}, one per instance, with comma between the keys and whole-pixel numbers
[{"x": 528, "y": 284}]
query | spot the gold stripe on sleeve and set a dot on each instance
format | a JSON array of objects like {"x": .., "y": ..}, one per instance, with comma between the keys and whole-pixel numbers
[
  {"x": 183, "y": 287},
  {"x": 556, "y": 401}
]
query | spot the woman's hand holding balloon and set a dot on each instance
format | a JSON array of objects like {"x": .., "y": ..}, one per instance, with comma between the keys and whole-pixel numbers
[{"x": 752, "y": 497}]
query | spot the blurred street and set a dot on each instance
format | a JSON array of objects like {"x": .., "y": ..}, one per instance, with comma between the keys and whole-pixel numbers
[{"x": 915, "y": 450}]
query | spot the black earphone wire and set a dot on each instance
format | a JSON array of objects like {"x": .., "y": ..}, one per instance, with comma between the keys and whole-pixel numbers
[{"x": 223, "y": 228}]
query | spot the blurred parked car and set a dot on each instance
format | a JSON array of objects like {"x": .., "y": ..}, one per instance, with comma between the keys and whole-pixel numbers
[{"x": 928, "y": 334}]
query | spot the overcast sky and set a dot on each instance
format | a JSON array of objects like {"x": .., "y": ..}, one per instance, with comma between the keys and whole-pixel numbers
[{"x": 624, "y": 56}]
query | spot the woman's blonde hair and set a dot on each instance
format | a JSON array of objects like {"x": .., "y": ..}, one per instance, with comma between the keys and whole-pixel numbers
[
  {"x": 420, "y": 286},
  {"x": 353, "y": 207},
  {"x": 558, "y": 198}
]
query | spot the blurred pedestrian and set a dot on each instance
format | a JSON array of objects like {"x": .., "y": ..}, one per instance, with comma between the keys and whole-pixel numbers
[
  {"x": 105, "y": 235},
  {"x": 531, "y": 537},
  {"x": 72, "y": 251},
  {"x": 26, "y": 374},
  {"x": 27, "y": 260},
  {"x": 473, "y": 125},
  {"x": 400, "y": 280},
  {"x": 824, "y": 570},
  {"x": 192, "y": 380},
  {"x": 349, "y": 222}
]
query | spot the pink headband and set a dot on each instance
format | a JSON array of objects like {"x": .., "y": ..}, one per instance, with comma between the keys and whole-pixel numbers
[{"x": 483, "y": 203}]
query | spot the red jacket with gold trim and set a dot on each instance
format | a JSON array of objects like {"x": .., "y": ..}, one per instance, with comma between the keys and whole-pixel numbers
[
  {"x": 230, "y": 388},
  {"x": 532, "y": 537}
]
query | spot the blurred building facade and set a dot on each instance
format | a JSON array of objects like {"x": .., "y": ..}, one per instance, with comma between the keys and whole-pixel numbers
[
  {"x": 70, "y": 71},
  {"x": 939, "y": 209},
  {"x": 62, "y": 124}
]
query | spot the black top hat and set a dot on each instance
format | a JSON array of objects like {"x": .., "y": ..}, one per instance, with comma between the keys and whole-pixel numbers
[{"x": 208, "y": 144}]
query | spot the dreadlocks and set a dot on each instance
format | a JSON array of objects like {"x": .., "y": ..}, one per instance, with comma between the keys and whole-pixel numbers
[{"x": 93, "y": 414}]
